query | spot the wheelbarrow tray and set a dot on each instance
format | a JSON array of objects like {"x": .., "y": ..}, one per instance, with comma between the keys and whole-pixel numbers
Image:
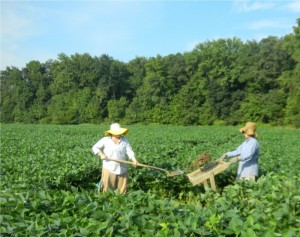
[{"x": 198, "y": 176}]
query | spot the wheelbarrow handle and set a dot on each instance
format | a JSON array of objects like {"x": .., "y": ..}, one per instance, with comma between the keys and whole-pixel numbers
[{"x": 139, "y": 164}]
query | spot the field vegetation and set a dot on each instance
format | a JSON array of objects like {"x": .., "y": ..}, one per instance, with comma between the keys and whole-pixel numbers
[{"x": 48, "y": 175}]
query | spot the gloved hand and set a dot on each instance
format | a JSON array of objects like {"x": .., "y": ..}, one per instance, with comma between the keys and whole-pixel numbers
[
  {"x": 223, "y": 157},
  {"x": 234, "y": 160}
]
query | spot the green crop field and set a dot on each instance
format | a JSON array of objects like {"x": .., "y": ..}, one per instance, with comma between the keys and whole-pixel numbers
[{"x": 48, "y": 175}]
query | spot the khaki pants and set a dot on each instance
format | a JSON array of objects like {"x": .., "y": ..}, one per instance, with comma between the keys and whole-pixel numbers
[{"x": 113, "y": 181}]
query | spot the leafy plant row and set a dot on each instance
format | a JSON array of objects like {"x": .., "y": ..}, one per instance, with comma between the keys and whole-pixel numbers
[{"x": 48, "y": 177}]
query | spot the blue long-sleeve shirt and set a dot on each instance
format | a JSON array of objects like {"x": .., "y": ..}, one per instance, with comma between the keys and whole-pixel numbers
[{"x": 249, "y": 153}]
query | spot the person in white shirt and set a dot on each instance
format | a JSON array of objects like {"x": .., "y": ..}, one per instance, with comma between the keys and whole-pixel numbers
[{"x": 114, "y": 146}]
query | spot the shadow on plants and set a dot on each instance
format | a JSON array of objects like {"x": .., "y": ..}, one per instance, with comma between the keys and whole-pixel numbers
[
  {"x": 83, "y": 180},
  {"x": 86, "y": 180},
  {"x": 224, "y": 179}
]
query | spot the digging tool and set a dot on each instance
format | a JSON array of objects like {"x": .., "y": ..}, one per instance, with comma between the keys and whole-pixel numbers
[{"x": 169, "y": 173}]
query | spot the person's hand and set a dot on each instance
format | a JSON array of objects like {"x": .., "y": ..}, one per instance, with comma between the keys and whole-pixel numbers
[
  {"x": 234, "y": 160},
  {"x": 135, "y": 163},
  {"x": 223, "y": 157},
  {"x": 103, "y": 157}
]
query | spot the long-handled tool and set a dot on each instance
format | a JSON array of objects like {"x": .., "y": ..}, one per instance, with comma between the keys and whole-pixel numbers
[{"x": 169, "y": 173}]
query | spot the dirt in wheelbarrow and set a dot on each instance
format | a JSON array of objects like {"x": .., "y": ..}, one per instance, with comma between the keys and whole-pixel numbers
[
  {"x": 209, "y": 166},
  {"x": 201, "y": 160}
]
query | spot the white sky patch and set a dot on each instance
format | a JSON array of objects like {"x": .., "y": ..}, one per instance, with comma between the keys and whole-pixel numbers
[
  {"x": 191, "y": 45},
  {"x": 265, "y": 24},
  {"x": 248, "y": 5},
  {"x": 259, "y": 37},
  {"x": 294, "y": 6},
  {"x": 14, "y": 27}
]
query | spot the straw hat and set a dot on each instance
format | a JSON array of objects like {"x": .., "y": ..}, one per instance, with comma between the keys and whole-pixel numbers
[
  {"x": 249, "y": 129},
  {"x": 115, "y": 129}
]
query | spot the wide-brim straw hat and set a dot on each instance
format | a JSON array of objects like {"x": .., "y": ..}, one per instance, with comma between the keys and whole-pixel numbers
[
  {"x": 116, "y": 129},
  {"x": 249, "y": 129}
]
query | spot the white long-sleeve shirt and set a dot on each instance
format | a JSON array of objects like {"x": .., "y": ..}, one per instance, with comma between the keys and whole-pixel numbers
[{"x": 114, "y": 151}]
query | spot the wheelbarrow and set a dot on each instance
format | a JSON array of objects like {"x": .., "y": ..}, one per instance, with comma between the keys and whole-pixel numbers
[
  {"x": 169, "y": 173},
  {"x": 209, "y": 171}
]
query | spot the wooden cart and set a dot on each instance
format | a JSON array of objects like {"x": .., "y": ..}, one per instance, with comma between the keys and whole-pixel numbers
[{"x": 198, "y": 176}]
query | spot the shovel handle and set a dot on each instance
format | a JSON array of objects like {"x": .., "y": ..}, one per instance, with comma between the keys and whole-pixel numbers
[{"x": 139, "y": 164}]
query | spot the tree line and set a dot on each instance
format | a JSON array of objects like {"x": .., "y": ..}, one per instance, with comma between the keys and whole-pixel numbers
[{"x": 224, "y": 81}]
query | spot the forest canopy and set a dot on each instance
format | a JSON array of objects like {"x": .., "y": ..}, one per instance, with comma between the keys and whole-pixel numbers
[{"x": 224, "y": 81}]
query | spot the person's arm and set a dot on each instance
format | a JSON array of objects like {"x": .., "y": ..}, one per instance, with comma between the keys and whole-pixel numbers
[
  {"x": 131, "y": 155},
  {"x": 102, "y": 155},
  {"x": 97, "y": 149},
  {"x": 235, "y": 152}
]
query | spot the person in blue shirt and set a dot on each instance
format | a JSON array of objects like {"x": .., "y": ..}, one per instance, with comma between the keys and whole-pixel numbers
[{"x": 246, "y": 154}]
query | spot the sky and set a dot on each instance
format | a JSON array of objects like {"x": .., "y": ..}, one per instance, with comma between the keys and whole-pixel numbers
[{"x": 41, "y": 30}]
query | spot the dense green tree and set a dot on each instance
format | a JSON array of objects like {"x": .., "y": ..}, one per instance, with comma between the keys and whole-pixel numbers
[
  {"x": 290, "y": 80},
  {"x": 62, "y": 108},
  {"x": 9, "y": 82},
  {"x": 118, "y": 80},
  {"x": 186, "y": 104},
  {"x": 16, "y": 96},
  {"x": 85, "y": 104},
  {"x": 264, "y": 108},
  {"x": 176, "y": 72},
  {"x": 137, "y": 73},
  {"x": 219, "y": 66},
  {"x": 39, "y": 81},
  {"x": 117, "y": 109},
  {"x": 63, "y": 75},
  {"x": 263, "y": 63},
  {"x": 150, "y": 94},
  {"x": 221, "y": 81},
  {"x": 135, "y": 113},
  {"x": 163, "y": 79}
]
